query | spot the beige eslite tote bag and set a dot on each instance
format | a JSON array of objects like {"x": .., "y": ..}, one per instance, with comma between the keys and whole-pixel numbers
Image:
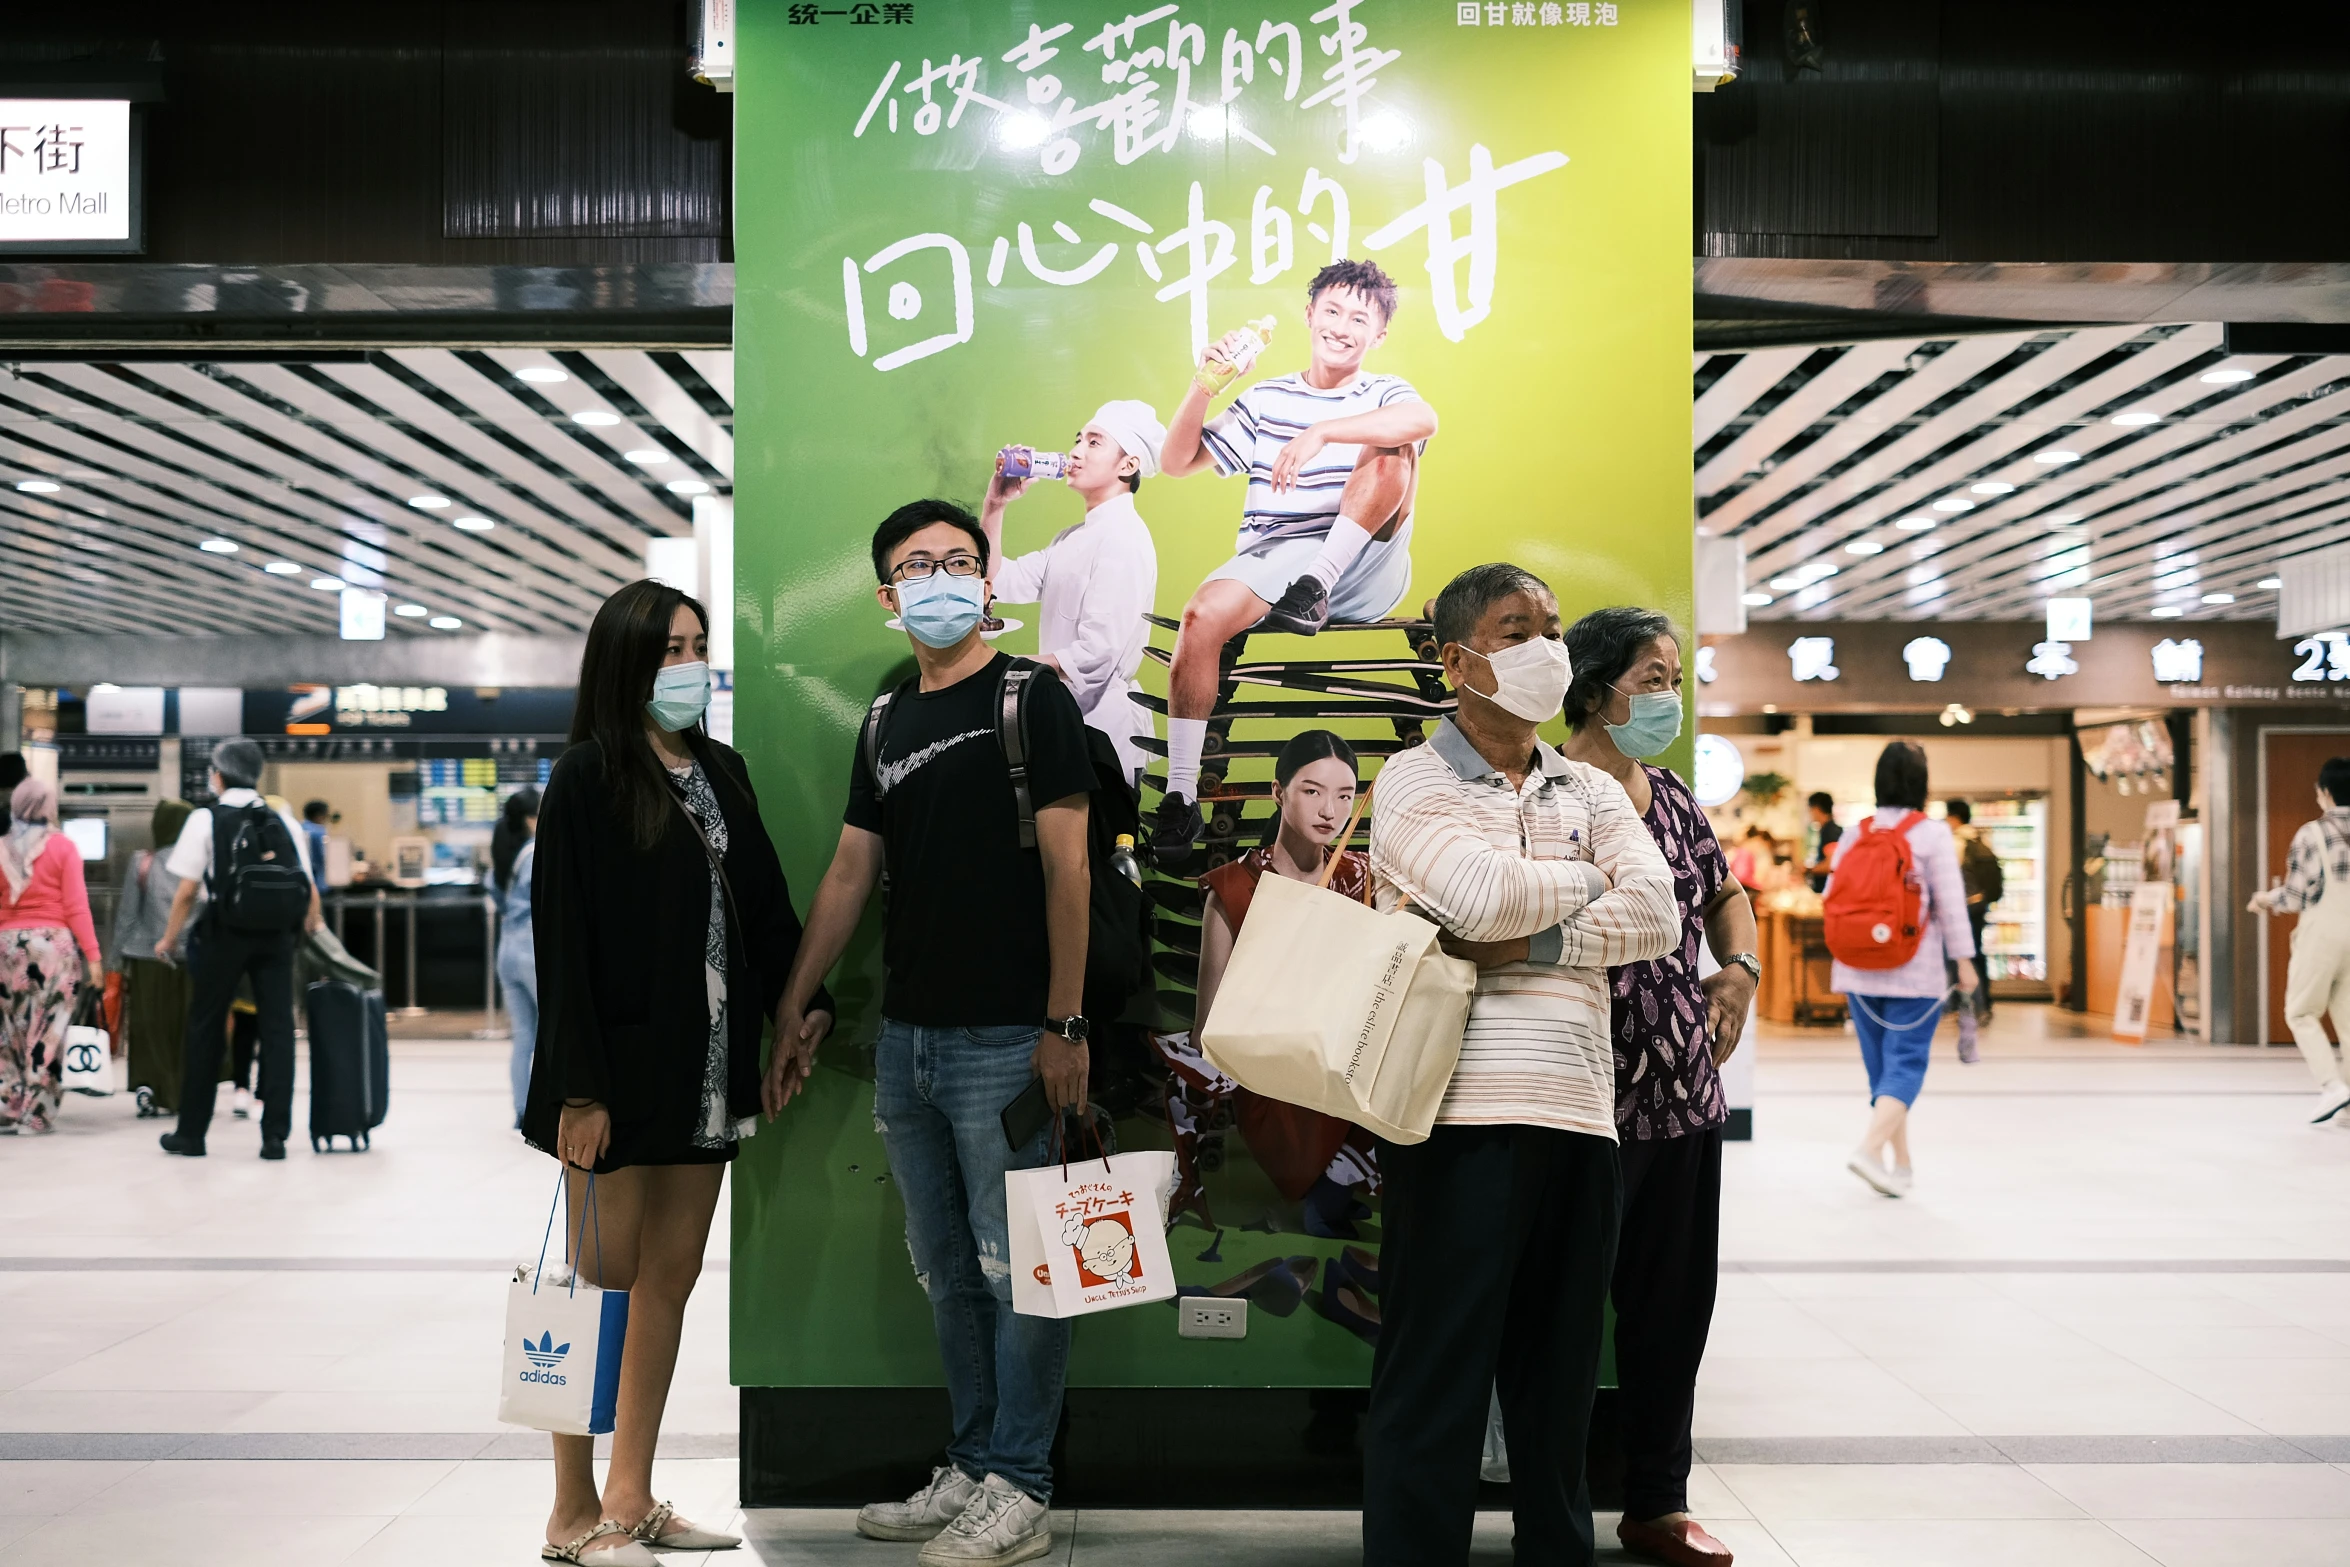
[{"x": 1335, "y": 1006}]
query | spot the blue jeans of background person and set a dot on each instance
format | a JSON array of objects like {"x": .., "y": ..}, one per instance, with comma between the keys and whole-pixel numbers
[
  {"x": 938, "y": 1099},
  {"x": 518, "y": 978},
  {"x": 1896, "y": 1036}
]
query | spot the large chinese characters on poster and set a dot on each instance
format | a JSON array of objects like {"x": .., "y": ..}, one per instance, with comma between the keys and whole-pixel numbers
[{"x": 970, "y": 229}]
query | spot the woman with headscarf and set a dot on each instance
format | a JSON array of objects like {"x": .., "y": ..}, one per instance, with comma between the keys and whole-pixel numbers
[
  {"x": 44, "y": 919},
  {"x": 158, "y": 989}
]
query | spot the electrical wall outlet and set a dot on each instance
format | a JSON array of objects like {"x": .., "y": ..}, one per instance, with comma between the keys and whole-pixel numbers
[{"x": 1210, "y": 1316}]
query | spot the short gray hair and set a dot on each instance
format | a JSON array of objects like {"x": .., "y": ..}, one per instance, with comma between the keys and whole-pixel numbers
[
  {"x": 238, "y": 762},
  {"x": 1467, "y": 597}
]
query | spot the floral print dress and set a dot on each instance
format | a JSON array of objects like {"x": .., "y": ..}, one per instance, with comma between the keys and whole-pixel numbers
[
  {"x": 714, "y": 1129},
  {"x": 1666, "y": 1081}
]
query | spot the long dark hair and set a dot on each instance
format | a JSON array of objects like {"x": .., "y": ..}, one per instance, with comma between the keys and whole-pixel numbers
[
  {"x": 625, "y": 646},
  {"x": 511, "y": 833}
]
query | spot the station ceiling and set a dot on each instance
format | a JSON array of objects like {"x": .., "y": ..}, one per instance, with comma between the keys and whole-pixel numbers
[
  {"x": 498, "y": 490},
  {"x": 1966, "y": 477},
  {"x": 1974, "y": 477}
]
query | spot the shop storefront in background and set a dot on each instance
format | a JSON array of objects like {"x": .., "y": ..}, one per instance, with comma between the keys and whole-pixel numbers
[{"x": 2061, "y": 748}]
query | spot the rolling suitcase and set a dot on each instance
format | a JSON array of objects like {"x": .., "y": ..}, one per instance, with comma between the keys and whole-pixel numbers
[{"x": 350, "y": 1063}]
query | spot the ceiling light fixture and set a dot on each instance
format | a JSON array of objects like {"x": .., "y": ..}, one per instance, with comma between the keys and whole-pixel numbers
[
  {"x": 2224, "y": 377},
  {"x": 2056, "y": 455},
  {"x": 472, "y": 524},
  {"x": 444, "y": 622},
  {"x": 1754, "y": 600},
  {"x": 282, "y": 568},
  {"x": 1864, "y": 547},
  {"x": 687, "y": 487},
  {"x": 1914, "y": 524},
  {"x": 218, "y": 546},
  {"x": 2167, "y": 612},
  {"x": 2270, "y": 584},
  {"x": 1954, "y": 503},
  {"x": 38, "y": 486},
  {"x": 1992, "y": 487},
  {"x": 2219, "y": 598},
  {"x": 2063, "y": 519},
  {"x": 647, "y": 457},
  {"x": 1786, "y": 584},
  {"x": 430, "y": 502},
  {"x": 327, "y": 584},
  {"x": 2136, "y": 417},
  {"x": 411, "y": 611},
  {"x": 542, "y": 375},
  {"x": 595, "y": 418}
]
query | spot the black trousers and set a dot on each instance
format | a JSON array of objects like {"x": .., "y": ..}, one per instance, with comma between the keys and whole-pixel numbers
[
  {"x": 1498, "y": 1242},
  {"x": 1666, "y": 1259},
  {"x": 1976, "y": 914},
  {"x": 218, "y": 959}
]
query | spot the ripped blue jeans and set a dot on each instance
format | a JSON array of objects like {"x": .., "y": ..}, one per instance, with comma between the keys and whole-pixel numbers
[{"x": 938, "y": 1099}]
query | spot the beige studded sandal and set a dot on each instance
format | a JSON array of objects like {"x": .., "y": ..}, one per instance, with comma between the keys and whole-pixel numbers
[
  {"x": 630, "y": 1554},
  {"x": 648, "y": 1531}
]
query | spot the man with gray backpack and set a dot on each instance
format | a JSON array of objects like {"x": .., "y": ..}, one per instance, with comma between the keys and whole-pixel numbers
[{"x": 248, "y": 860}]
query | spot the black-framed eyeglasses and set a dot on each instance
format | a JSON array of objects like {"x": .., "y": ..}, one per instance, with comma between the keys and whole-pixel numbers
[{"x": 920, "y": 569}]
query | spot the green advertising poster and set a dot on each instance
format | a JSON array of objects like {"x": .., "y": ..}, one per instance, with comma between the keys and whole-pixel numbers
[{"x": 961, "y": 228}]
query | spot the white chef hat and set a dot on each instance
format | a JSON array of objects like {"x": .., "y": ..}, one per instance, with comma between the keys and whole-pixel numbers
[{"x": 1131, "y": 423}]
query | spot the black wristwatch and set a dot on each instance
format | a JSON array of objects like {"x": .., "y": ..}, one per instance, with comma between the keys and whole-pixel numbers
[{"x": 1073, "y": 1029}]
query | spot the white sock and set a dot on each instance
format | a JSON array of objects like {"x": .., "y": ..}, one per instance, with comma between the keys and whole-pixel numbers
[
  {"x": 1185, "y": 736},
  {"x": 1346, "y": 541}
]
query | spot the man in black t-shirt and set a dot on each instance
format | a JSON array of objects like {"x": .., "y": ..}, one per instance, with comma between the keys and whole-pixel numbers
[
  {"x": 984, "y": 951},
  {"x": 1822, "y": 807}
]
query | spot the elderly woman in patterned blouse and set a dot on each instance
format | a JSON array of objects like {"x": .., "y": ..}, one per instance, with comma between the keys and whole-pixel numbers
[{"x": 1672, "y": 1030}]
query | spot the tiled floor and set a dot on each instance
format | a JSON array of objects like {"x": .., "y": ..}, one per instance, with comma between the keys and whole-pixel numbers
[{"x": 2112, "y": 1326}]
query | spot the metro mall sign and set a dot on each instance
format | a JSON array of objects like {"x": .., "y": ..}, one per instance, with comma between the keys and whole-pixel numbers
[{"x": 68, "y": 175}]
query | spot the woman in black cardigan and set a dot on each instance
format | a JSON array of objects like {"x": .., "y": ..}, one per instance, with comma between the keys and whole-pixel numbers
[{"x": 665, "y": 934}]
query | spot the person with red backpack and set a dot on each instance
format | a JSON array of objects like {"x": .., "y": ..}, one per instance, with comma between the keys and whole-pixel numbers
[{"x": 1896, "y": 912}]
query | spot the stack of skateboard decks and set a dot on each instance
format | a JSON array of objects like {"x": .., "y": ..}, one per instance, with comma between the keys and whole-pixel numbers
[{"x": 1400, "y": 692}]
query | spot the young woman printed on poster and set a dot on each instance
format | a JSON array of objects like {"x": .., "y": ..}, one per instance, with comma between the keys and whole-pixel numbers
[
  {"x": 1317, "y": 1159},
  {"x": 664, "y": 934}
]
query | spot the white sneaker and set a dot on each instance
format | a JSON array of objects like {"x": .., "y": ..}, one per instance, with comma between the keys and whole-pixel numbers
[
  {"x": 242, "y": 1105},
  {"x": 2331, "y": 1098},
  {"x": 1003, "y": 1525},
  {"x": 1902, "y": 1180},
  {"x": 924, "y": 1513},
  {"x": 1868, "y": 1169}
]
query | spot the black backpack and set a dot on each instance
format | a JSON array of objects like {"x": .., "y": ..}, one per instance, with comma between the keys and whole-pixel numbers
[
  {"x": 259, "y": 887},
  {"x": 1118, "y": 941}
]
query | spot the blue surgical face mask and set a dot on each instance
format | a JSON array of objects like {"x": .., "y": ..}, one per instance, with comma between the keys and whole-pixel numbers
[
  {"x": 939, "y": 609},
  {"x": 1655, "y": 723},
  {"x": 680, "y": 694}
]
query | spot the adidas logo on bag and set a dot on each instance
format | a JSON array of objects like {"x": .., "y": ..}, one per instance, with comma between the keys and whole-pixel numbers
[{"x": 545, "y": 1354}]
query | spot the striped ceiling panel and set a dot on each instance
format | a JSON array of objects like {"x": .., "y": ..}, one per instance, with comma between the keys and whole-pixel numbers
[
  {"x": 507, "y": 490},
  {"x": 1973, "y": 478}
]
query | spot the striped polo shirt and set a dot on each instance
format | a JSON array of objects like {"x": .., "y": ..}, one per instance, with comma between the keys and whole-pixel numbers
[
  {"x": 1563, "y": 860},
  {"x": 1246, "y": 437}
]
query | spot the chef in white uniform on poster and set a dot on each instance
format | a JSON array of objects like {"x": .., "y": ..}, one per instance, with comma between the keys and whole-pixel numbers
[{"x": 1098, "y": 578}]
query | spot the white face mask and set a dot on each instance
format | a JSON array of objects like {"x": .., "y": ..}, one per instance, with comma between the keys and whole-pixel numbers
[{"x": 1530, "y": 679}]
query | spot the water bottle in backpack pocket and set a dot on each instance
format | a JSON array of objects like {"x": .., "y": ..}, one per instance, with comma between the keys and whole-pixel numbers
[{"x": 1875, "y": 903}]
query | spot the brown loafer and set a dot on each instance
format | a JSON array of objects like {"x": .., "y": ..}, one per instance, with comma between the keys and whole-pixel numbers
[{"x": 1684, "y": 1544}]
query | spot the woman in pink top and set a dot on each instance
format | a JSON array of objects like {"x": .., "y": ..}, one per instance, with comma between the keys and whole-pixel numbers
[
  {"x": 1895, "y": 1011},
  {"x": 44, "y": 917}
]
